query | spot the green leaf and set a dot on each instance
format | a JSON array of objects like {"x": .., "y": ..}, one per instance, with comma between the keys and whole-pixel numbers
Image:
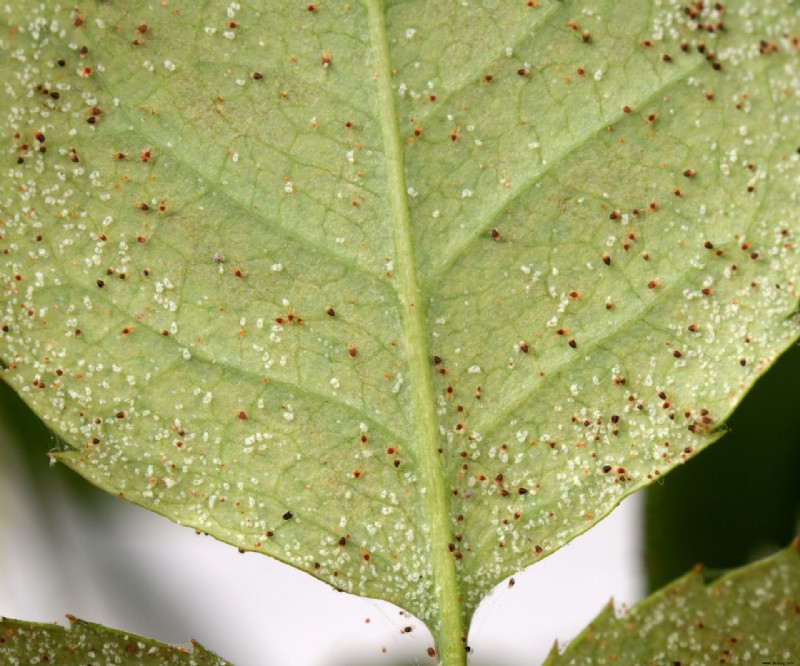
[
  {"x": 700, "y": 514},
  {"x": 752, "y": 614},
  {"x": 406, "y": 295},
  {"x": 39, "y": 643}
]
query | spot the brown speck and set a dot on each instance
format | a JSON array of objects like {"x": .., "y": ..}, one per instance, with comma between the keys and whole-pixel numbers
[
  {"x": 523, "y": 347},
  {"x": 572, "y": 343},
  {"x": 330, "y": 311},
  {"x": 689, "y": 173},
  {"x": 652, "y": 284},
  {"x": 351, "y": 349},
  {"x": 523, "y": 71},
  {"x": 241, "y": 415},
  {"x": 495, "y": 234},
  {"x": 586, "y": 36}
]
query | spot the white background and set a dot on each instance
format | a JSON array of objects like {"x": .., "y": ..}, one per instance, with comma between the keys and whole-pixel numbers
[{"x": 122, "y": 566}]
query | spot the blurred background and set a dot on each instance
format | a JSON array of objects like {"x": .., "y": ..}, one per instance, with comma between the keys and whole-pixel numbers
[{"x": 66, "y": 547}]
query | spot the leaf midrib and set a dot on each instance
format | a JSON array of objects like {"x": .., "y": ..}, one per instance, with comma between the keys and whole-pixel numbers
[{"x": 446, "y": 608}]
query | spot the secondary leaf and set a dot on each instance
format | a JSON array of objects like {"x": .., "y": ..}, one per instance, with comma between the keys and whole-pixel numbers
[
  {"x": 751, "y": 614},
  {"x": 85, "y": 642},
  {"x": 403, "y": 308}
]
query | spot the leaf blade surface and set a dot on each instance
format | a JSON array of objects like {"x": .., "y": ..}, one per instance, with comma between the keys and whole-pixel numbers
[
  {"x": 749, "y": 611},
  {"x": 37, "y": 642},
  {"x": 404, "y": 310}
]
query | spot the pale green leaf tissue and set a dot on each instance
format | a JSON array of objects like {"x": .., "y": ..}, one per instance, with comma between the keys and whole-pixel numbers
[
  {"x": 23, "y": 643},
  {"x": 404, "y": 294}
]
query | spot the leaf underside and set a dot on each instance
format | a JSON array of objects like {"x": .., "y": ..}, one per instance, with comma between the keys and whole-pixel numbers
[
  {"x": 404, "y": 294},
  {"x": 85, "y": 642},
  {"x": 751, "y": 614}
]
